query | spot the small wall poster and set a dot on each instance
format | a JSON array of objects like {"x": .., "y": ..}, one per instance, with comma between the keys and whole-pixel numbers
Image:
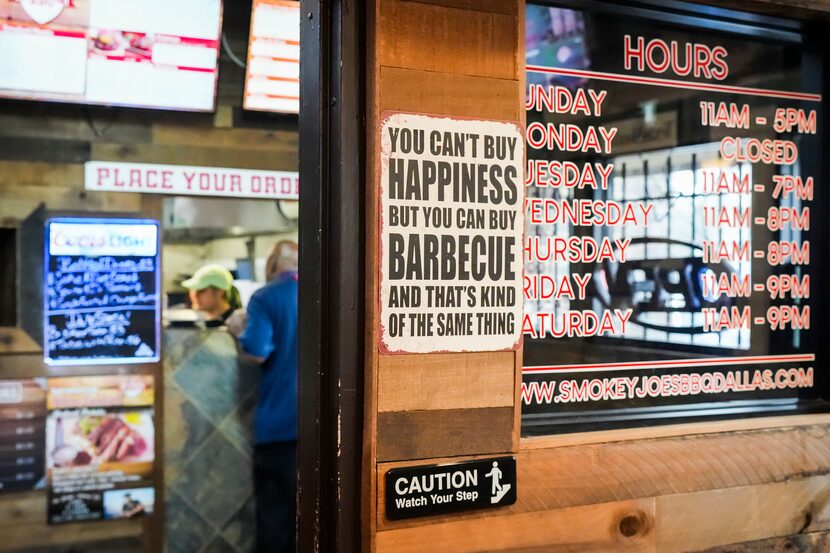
[{"x": 451, "y": 216}]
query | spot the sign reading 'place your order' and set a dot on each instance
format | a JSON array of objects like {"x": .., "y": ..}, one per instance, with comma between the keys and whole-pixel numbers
[{"x": 452, "y": 222}]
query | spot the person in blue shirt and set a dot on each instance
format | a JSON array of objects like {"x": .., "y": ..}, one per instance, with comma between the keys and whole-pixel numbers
[{"x": 269, "y": 338}]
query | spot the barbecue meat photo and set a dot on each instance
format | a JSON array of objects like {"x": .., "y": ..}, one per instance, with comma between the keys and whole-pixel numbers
[{"x": 111, "y": 438}]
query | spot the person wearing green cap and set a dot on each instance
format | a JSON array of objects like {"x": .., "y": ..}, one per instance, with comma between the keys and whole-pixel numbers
[{"x": 211, "y": 291}]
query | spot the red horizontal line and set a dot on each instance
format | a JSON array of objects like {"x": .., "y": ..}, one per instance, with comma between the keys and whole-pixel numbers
[
  {"x": 670, "y": 363},
  {"x": 671, "y": 83},
  {"x": 69, "y": 34},
  {"x": 198, "y": 69}
]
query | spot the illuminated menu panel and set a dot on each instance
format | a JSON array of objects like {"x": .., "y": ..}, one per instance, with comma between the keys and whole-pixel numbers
[
  {"x": 150, "y": 54},
  {"x": 100, "y": 442},
  {"x": 272, "y": 80},
  {"x": 101, "y": 291},
  {"x": 670, "y": 181}
]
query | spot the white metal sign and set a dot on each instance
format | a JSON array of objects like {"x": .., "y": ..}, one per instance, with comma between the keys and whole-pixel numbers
[
  {"x": 186, "y": 180},
  {"x": 452, "y": 198}
]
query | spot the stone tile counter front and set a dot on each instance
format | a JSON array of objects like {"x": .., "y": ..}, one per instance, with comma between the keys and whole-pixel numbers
[{"x": 209, "y": 399}]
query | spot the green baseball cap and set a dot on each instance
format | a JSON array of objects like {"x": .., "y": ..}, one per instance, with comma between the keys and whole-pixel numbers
[{"x": 210, "y": 275}]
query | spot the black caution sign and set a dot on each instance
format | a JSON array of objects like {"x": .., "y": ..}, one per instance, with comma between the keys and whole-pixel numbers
[{"x": 449, "y": 488}]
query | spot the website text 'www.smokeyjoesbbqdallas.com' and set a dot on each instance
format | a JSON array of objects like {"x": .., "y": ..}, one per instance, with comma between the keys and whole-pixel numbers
[{"x": 578, "y": 390}]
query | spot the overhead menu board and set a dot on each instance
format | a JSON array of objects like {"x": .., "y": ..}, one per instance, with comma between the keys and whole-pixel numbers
[
  {"x": 272, "y": 75},
  {"x": 670, "y": 255},
  {"x": 152, "y": 53},
  {"x": 101, "y": 291}
]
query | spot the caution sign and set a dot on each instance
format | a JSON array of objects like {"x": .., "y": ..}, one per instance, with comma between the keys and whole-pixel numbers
[
  {"x": 448, "y": 488},
  {"x": 452, "y": 198}
]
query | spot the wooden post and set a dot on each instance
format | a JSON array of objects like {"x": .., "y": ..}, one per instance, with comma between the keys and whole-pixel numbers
[{"x": 448, "y": 58}]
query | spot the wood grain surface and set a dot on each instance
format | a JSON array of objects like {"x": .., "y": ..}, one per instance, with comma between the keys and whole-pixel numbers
[
  {"x": 445, "y": 381},
  {"x": 453, "y": 58}
]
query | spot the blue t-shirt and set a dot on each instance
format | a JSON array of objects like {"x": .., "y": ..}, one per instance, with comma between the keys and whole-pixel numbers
[{"x": 271, "y": 332}]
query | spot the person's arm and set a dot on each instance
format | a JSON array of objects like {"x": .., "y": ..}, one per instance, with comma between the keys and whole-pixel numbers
[{"x": 256, "y": 342}]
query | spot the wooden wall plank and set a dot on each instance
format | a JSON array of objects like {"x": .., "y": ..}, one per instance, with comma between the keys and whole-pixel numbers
[
  {"x": 815, "y": 542},
  {"x": 447, "y": 40},
  {"x": 581, "y": 529},
  {"x": 33, "y": 535},
  {"x": 28, "y": 173},
  {"x": 442, "y": 93},
  {"x": 644, "y": 468},
  {"x": 15, "y": 340},
  {"x": 17, "y": 207},
  {"x": 240, "y": 157},
  {"x": 489, "y": 6},
  {"x": 118, "y": 126},
  {"x": 445, "y": 381},
  {"x": 234, "y": 138},
  {"x": 690, "y": 522},
  {"x": 45, "y": 149},
  {"x": 429, "y": 434},
  {"x": 674, "y": 430}
]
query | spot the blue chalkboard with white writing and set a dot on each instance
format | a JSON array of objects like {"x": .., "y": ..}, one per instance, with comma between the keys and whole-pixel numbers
[{"x": 101, "y": 292}]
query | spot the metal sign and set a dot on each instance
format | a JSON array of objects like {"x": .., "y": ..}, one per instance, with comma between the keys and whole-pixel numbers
[
  {"x": 452, "y": 204},
  {"x": 449, "y": 488}
]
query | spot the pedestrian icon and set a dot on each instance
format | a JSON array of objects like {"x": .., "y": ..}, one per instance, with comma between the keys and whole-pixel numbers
[{"x": 498, "y": 490}]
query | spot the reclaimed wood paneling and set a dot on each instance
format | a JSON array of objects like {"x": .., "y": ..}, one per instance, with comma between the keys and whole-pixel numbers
[
  {"x": 429, "y": 434},
  {"x": 624, "y": 526},
  {"x": 445, "y": 381},
  {"x": 674, "y": 430},
  {"x": 488, "y": 6},
  {"x": 442, "y": 93},
  {"x": 15, "y": 340},
  {"x": 208, "y": 156},
  {"x": 39, "y": 121},
  {"x": 691, "y": 522},
  {"x": 271, "y": 141},
  {"x": 448, "y": 40},
  {"x": 815, "y": 542}
]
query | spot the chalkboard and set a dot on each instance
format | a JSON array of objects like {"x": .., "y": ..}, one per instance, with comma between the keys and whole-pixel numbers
[{"x": 101, "y": 292}]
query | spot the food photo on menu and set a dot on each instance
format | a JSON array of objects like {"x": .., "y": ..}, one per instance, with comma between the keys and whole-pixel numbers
[
  {"x": 121, "y": 45},
  {"x": 100, "y": 439}
]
